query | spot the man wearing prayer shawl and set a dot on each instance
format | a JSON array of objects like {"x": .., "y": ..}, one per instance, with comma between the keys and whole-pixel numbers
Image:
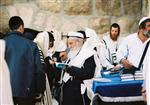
[
  {"x": 5, "y": 87},
  {"x": 81, "y": 66},
  {"x": 130, "y": 52},
  {"x": 146, "y": 84},
  {"x": 43, "y": 40},
  {"x": 93, "y": 42}
]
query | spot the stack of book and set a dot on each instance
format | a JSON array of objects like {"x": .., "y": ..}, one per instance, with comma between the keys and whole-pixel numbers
[
  {"x": 127, "y": 77},
  {"x": 138, "y": 75}
]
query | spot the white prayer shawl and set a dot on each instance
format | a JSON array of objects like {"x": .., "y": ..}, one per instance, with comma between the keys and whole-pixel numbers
[
  {"x": 92, "y": 42},
  {"x": 110, "y": 49},
  {"x": 79, "y": 60},
  {"x": 146, "y": 72},
  {"x": 42, "y": 40},
  {"x": 5, "y": 86},
  {"x": 59, "y": 45},
  {"x": 148, "y": 78}
]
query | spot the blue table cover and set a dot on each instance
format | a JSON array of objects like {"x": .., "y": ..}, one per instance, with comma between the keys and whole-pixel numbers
[{"x": 117, "y": 88}]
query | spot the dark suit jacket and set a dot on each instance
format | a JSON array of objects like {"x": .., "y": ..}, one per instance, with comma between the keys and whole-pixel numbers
[{"x": 26, "y": 71}]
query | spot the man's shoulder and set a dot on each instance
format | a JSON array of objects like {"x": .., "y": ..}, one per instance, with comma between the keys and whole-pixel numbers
[
  {"x": 13, "y": 36},
  {"x": 130, "y": 37},
  {"x": 30, "y": 42},
  {"x": 134, "y": 35},
  {"x": 106, "y": 37},
  {"x": 89, "y": 54},
  {"x": 16, "y": 38}
]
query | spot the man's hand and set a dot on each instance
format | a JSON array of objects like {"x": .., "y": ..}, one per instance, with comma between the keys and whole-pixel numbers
[
  {"x": 63, "y": 56},
  {"x": 51, "y": 62},
  {"x": 126, "y": 64},
  {"x": 117, "y": 67}
]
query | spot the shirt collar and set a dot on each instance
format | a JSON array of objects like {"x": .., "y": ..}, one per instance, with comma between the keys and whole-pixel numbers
[{"x": 14, "y": 32}]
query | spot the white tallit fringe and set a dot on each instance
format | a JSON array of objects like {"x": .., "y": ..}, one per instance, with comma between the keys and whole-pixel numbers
[{"x": 98, "y": 66}]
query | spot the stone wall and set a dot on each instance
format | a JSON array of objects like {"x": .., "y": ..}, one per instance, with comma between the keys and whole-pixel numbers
[
  {"x": 70, "y": 15},
  {"x": 149, "y": 8}
]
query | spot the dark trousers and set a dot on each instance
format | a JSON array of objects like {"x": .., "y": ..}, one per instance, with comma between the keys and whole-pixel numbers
[
  {"x": 23, "y": 101},
  {"x": 72, "y": 94}
]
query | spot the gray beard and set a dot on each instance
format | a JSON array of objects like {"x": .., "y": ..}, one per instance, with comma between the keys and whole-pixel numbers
[
  {"x": 73, "y": 52},
  {"x": 147, "y": 33}
]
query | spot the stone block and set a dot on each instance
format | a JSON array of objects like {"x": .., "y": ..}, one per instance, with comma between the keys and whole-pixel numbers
[
  {"x": 24, "y": 10},
  {"x": 127, "y": 24},
  {"x": 67, "y": 26},
  {"x": 108, "y": 7},
  {"x": 78, "y": 7},
  {"x": 149, "y": 8},
  {"x": 4, "y": 18},
  {"x": 5, "y": 2},
  {"x": 132, "y": 7},
  {"x": 52, "y": 22},
  {"x": 50, "y": 5},
  {"x": 81, "y": 22},
  {"x": 39, "y": 21},
  {"x": 100, "y": 25}
]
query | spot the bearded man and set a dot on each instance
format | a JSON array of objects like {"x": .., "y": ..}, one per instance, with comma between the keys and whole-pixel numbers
[
  {"x": 111, "y": 43},
  {"x": 131, "y": 50},
  {"x": 81, "y": 66}
]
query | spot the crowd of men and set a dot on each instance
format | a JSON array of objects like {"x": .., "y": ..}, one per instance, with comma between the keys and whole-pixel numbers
[{"x": 30, "y": 55}]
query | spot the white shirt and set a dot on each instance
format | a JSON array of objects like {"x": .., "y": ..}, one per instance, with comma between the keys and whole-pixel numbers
[
  {"x": 131, "y": 49},
  {"x": 110, "y": 50}
]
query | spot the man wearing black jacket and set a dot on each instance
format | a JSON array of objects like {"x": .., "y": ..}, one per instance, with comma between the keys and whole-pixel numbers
[
  {"x": 81, "y": 66},
  {"x": 23, "y": 59}
]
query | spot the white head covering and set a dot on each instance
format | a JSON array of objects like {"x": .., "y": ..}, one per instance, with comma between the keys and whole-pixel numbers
[
  {"x": 5, "y": 87},
  {"x": 75, "y": 34},
  {"x": 143, "y": 19},
  {"x": 59, "y": 45},
  {"x": 42, "y": 40},
  {"x": 92, "y": 40}
]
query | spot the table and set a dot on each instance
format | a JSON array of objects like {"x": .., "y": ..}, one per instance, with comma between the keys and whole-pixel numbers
[{"x": 118, "y": 92}]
